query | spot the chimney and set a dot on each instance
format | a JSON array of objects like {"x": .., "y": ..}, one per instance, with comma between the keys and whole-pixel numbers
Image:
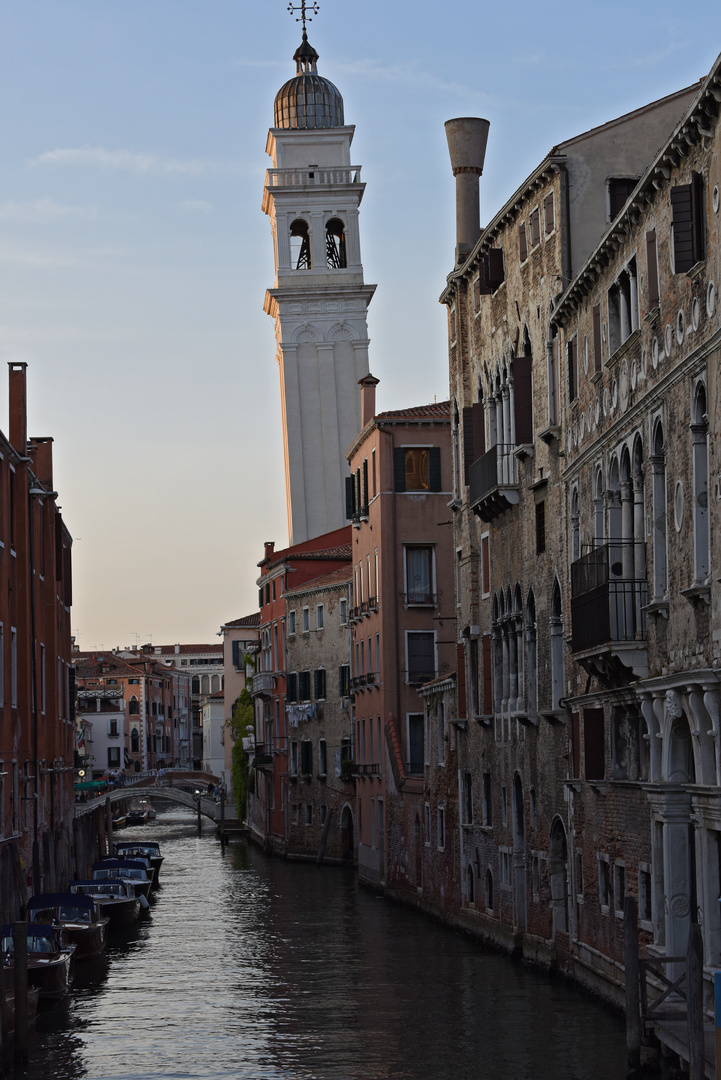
[
  {"x": 18, "y": 408},
  {"x": 43, "y": 461},
  {"x": 368, "y": 398},
  {"x": 269, "y": 548},
  {"x": 467, "y": 137}
]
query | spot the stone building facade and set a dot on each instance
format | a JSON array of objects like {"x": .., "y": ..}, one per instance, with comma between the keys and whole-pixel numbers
[
  {"x": 318, "y": 714},
  {"x": 509, "y": 379}
]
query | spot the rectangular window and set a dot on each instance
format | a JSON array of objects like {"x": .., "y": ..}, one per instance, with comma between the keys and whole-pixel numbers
[
  {"x": 417, "y": 468},
  {"x": 535, "y": 223},
  {"x": 578, "y": 868},
  {"x": 421, "y": 657},
  {"x": 378, "y": 658},
  {"x": 113, "y": 727},
  {"x": 416, "y": 756},
  {"x": 113, "y": 757},
  {"x": 619, "y": 888},
  {"x": 380, "y": 824},
  {"x": 572, "y": 348},
  {"x": 688, "y": 224},
  {"x": 419, "y": 575},
  {"x": 619, "y": 189},
  {"x": 468, "y": 798},
  {"x": 486, "y": 565},
  {"x": 652, "y": 268},
  {"x": 319, "y": 616},
  {"x": 373, "y": 472},
  {"x": 322, "y": 757},
  {"x": 441, "y": 828},
  {"x": 504, "y": 805},
  {"x": 319, "y": 684},
  {"x": 597, "y": 356},
  {"x": 549, "y": 214},
  {"x": 291, "y": 623},
  {"x": 540, "y": 527},
  {"x": 427, "y": 823},
  {"x": 380, "y": 748},
  {"x": 487, "y": 800},
  {"x": 487, "y": 676},
  {"x": 304, "y": 686},
  {"x": 360, "y": 820},
  {"x": 522, "y": 242},
  {"x": 342, "y": 612},
  {"x": 42, "y": 679},
  {"x": 344, "y": 680},
  {"x": 306, "y": 757},
  {"x": 306, "y": 620},
  {"x": 294, "y": 758},
  {"x": 604, "y": 884},
  {"x": 645, "y": 894},
  {"x": 309, "y": 813},
  {"x": 294, "y": 814},
  {"x": 291, "y": 690}
]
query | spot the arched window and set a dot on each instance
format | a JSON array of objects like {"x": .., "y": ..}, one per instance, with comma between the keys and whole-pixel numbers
[
  {"x": 134, "y": 741},
  {"x": 300, "y": 245},
  {"x": 699, "y": 433},
  {"x": 214, "y": 683},
  {"x": 558, "y": 873},
  {"x": 517, "y": 631},
  {"x": 134, "y": 706},
  {"x": 205, "y": 684},
  {"x": 598, "y": 517},
  {"x": 658, "y": 465},
  {"x": 195, "y": 686},
  {"x": 335, "y": 245}
]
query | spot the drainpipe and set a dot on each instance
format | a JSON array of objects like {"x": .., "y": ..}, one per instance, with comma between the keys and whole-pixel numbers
[
  {"x": 33, "y": 692},
  {"x": 396, "y": 631}
]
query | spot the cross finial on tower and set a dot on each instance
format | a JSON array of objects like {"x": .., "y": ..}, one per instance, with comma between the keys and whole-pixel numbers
[{"x": 304, "y": 8}]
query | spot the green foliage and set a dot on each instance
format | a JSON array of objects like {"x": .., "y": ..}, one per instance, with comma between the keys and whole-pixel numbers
[{"x": 242, "y": 718}]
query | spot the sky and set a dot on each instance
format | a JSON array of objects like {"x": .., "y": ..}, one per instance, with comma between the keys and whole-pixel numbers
[{"x": 134, "y": 256}]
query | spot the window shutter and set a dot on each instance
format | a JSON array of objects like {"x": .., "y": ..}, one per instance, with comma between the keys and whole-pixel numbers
[
  {"x": 573, "y": 369},
  {"x": 576, "y": 745},
  {"x": 484, "y": 283},
  {"x": 316, "y": 684},
  {"x": 364, "y": 504},
  {"x": 292, "y": 687},
  {"x": 236, "y": 657},
  {"x": 619, "y": 190},
  {"x": 487, "y": 676},
  {"x": 58, "y": 547},
  {"x": 597, "y": 337},
  {"x": 594, "y": 744},
  {"x": 548, "y": 213},
  {"x": 399, "y": 469},
  {"x": 477, "y": 294},
  {"x": 522, "y": 242},
  {"x": 697, "y": 216},
  {"x": 434, "y": 468},
  {"x": 683, "y": 238},
  {"x": 651, "y": 269},
  {"x": 356, "y": 492},
  {"x": 469, "y": 449},
  {"x": 349, "y": 497},
  {"x": 461, "y": 683},
  {"x": 495, "y": 268},
  {"x": 523, "y": 399}
]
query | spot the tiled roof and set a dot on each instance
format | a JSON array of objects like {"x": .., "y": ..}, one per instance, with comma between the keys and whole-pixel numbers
[
  {"x": 343, "y": 551},
  {"x": 440, "y": 410},
  {"x": 247, "y": 620},
  {"x": 337, "y": 577}
]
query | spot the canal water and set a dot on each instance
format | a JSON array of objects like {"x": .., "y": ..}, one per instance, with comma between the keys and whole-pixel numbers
[{"x": 249, "y": 967}]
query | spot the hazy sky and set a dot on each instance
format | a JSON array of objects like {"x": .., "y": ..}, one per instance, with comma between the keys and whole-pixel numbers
[{"x": 134, "y": 256}]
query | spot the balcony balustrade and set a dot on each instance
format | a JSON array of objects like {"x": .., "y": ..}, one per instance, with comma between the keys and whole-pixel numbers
[
  {"x": 262, "y": 683},
  {"x": 315, "y": 177},
  {"x": 494, "y": 482},
  {"x": 420, "y": 598}
]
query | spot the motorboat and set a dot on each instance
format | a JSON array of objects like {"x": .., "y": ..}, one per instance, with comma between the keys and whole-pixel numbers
[
  {"x": 144, "y": 849},
  {"x": 114, "y": 897},
  {"x": 120, "y": 821},
  {"x": 33, "y": 997},
  {"x": 78, "y": 917},
  {"x": 140, "y": 810},
  {"x": 137, "y": 871},
  {"x": 50, "y": 959}
]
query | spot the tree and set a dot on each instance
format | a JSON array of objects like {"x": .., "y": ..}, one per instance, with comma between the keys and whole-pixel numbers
[{"x": 240, "y": 725}]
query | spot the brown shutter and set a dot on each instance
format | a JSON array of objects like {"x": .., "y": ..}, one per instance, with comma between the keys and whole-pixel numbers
[
  {"x": 479, "y": 429},
  {"x": 522, "y": 242},
  {"x": 697, "y": 216},
  {"x": 597, "y": 358},
  {"x": 523, "y": 399},
  {"x": 487, "y": 676},
  {"x": 573, "y": 369},
  {"x": 477, "y": 294},
  {"x": 683, "y": 238},
  {"x": 484, "y": 284},
  {"x": 495, "y": 268},
  {"x": 549, "y": 214},
  {"x": 594, "y": 740},
  {"x": 461, "y": 683},
  {"x": 469, "y": 455},
  {"x": 576, "y": 745},
  {"x": 651, "y": 268},
  {"x": 619, "y": 190}
]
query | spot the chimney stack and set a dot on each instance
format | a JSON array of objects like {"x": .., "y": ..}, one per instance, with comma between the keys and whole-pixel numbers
[
  {"x": 18, "y": 408},
  {"x": 467, "y": 137},
  {"x": 368, "y": 398},
  {"x": 42, "y": 464},
  {"x": 269, "y": 548}
]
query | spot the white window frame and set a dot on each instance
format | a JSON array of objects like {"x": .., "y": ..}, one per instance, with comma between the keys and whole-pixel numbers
[{"x": 320, "y": 616}]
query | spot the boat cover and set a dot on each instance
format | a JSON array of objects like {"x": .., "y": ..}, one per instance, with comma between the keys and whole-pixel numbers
[{"x": 60, "y": 900}]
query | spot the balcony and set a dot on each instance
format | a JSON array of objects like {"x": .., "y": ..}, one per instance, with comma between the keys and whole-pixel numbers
[
  {"x": 419, "y": 678},
  {"x": 366, "y": 770},
  {"x": 420, "y": 598},
  {"x": 262, "y": 684},
  {"x": 315, "y": 177},
  {"x": 608, "y": 623},
  {"x": 494, "y": 482}
]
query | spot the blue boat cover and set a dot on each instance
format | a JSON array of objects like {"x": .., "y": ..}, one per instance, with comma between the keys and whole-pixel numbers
[
  {"x": 33, "y": 929},
  {"x": 112, "y": 864},
  {"x": 60, "y": 899}
]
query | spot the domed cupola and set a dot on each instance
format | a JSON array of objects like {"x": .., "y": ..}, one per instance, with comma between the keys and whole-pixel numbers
[{"x": 308, "y": 100}]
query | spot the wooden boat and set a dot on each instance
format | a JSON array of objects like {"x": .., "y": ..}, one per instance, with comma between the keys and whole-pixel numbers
[
  {"x": 50, "y": 960},
  {"x": 120, "y": 822},
  {"x": 137, "y": 871},
  {"x": 33, "y": 998},
  {"x": 115, "y": 898},
  {"x": 144, "y": 849},
  {"x": 76, "y": 915}
]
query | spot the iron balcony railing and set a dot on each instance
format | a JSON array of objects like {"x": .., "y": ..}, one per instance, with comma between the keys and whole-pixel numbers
[
  {"x": 420, "y": 598},
  {"x": 608, "y": 595},
  {"x": 493, "y": 481},
  {"x": 418, "y": 678},
  {"x": 415, "y": 768}
]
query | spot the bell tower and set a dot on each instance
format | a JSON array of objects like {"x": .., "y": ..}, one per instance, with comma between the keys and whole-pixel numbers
[{"x": 319, "y": 300}]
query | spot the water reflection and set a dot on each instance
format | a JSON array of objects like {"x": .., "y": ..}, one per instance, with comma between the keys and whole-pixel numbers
[{"x": 248, "y": 967}]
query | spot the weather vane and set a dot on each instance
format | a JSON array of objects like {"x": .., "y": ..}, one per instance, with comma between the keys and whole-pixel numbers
[{"x": 304, "y": 8}]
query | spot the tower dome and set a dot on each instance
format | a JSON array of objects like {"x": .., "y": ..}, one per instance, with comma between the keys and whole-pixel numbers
[{"x": 308, "y": 100}]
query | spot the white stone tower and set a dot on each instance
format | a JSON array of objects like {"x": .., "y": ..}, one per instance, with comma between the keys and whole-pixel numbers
[{"x": 319, "y": 301}]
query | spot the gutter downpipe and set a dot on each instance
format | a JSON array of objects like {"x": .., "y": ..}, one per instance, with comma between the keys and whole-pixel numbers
[{"x": 34, "y": 675}]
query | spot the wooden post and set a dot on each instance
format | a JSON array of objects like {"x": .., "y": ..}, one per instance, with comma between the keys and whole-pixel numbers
[
  {"x": 694, "y": 990},
  {"x": 109, "y": 823},
  {"x": 200, "y": 799},
  {"x": 20, "y": 957},
  {"x": 222, "y": 816},
  {"x": 633, "y": 1012}
]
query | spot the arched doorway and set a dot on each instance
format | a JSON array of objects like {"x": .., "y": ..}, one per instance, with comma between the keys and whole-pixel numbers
[
  {"x": 347, "y": 844},
  {"x": 558, "y": 872}
]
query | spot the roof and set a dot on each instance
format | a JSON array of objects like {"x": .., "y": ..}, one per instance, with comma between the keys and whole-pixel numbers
[
  {"x": 343, "y": 576},
  {"x": 316, "y": 547},
  {"x": 437, "y": 410},
  {"x": 247, "y": 620},
  {"x": 341, "y": 551}
]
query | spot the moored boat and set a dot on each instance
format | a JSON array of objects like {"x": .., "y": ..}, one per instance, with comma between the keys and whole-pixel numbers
[
  {"x": 137, "y": 871},
  {"x": 144, "y": 849},
  {"x": 140, "y": 810},
  {"x": 33, "y": 997},
  {"x": 77, "y": 915},
  {"x": 50, "y": 961},
  {"x": 115, "y": 898}
]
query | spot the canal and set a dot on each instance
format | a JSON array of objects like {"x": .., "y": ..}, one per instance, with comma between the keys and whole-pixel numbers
[{"x": 249, "y": 967}]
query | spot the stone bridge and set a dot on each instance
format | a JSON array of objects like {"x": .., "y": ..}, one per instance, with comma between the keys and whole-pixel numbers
[{"x": 178, "y": 788}]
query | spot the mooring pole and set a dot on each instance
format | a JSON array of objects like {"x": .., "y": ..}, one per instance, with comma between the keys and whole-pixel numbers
[
  {"x": 633, "y": 1010},
  {"x": 109, "y": 823},
  {"x": 694, "y": 990},
  {"x": 199, "y": 801},
  {"x": 222, "y": 816},
  {"x": 20, "y": 956}
]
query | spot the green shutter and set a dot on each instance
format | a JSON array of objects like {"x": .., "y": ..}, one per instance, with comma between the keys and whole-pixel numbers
[
  {"x": 434, "y": 468},
  {"x": 399, "y": 469}
]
